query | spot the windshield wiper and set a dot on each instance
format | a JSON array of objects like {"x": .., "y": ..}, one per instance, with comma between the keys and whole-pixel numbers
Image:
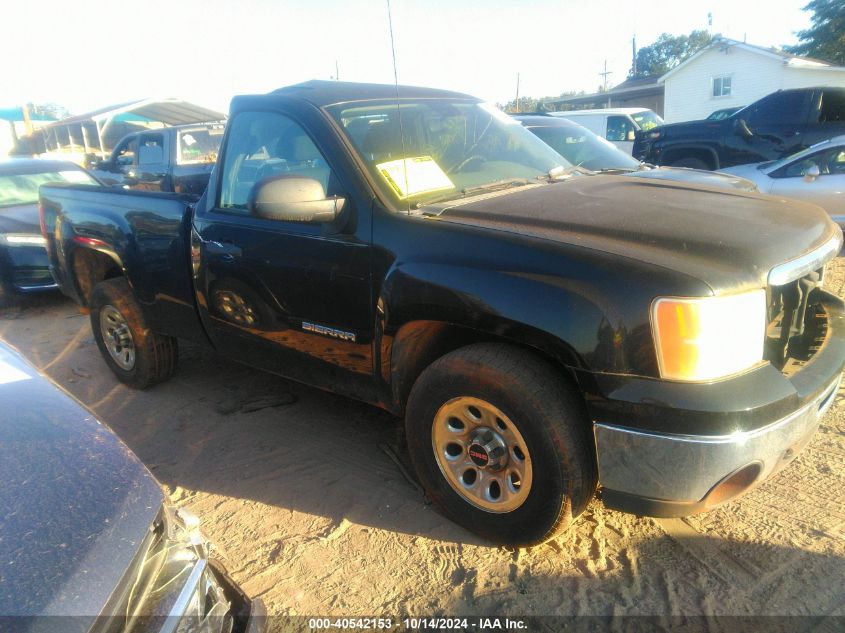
[
  {"x": 617, "y": 170},
  {"x": 495, "y": 185}
]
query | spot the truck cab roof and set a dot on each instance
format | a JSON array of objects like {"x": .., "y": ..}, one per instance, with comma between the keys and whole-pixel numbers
[{"x": 323, "y": 93}]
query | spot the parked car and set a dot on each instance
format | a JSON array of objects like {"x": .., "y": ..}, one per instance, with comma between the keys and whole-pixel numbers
[
  {"x": 815, "y": 175},
  {"x": 174, "y": 159},
  {"x": 724, "y": 113},
  {"x": 539, "y": 328},
  {"x": 24, "y": 267},
  {"x": 617, "y": 125},
  {"x": 581, "y": 147},
  {"x": 773, "y": 127},
  {"x": 89, "y": 542}
]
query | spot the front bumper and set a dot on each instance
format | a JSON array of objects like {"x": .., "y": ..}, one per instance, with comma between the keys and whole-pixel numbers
[
  {"x": 671, "y": 449},
  {"x": 174, "y": 586}
]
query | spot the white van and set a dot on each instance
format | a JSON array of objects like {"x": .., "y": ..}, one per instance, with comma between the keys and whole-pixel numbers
[{"x": 617, "y": 125}]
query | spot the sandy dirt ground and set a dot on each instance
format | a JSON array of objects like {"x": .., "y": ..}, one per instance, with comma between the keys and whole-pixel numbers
[{"x": 311, "y": 514}]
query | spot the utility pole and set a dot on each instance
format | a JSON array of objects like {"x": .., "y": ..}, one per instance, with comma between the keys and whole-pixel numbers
[
  {"x": 336, "y": 71},
  {"x": 517, "y": 92},
  {"x": 605, "y": 74},
  {"x": 633, "y": 57}
]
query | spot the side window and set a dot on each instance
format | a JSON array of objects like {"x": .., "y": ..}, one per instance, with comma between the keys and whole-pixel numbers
[
  {"x": 781, "y": 108},
  {"x": 151, "y": 149},
  {"x": 830, "y": 161},
  {"x": 262, "y": 145},
  {"x": 832, "y": 107},
  {"x": 619, "y": 128},
  {"x": 722, "y": 86},
  {"x": 125, "y": 152},
  {"x": 836, "y": 162}
]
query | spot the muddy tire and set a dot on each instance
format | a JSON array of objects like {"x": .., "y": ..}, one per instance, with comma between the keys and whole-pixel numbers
[
  {"x": 138, "y": 356},
  {"x": 499, "y": 440}
]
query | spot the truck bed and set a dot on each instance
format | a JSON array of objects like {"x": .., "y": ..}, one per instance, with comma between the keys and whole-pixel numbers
[{"x": 146, "y": 234}]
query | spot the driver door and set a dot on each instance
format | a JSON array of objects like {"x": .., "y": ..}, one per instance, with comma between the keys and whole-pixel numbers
[
  {"x": 285, "y": 296},
  {"x": 621, "y": 132}
]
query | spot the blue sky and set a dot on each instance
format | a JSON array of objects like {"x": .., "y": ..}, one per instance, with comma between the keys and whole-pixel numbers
[{"x": 87, "y": 54}]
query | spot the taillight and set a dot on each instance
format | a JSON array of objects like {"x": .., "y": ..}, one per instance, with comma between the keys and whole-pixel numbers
[{"x": 42, "y": 220}]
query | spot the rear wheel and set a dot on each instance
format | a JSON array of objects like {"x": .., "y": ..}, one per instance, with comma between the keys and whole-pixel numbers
[
  {"x": 692, "y": 163},
  {"x": 499, "y": 441},
  {"x": 138, "y": 356}
]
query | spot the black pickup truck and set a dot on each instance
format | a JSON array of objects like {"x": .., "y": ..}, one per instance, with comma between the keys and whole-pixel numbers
[
  {"x": 174, "y": 159},
  {"x": 542, "y": 330},
  {"x": 775, "y": 126}
]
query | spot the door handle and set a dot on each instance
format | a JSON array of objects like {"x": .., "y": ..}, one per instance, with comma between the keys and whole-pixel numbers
[{"x": 227, "y": 250}]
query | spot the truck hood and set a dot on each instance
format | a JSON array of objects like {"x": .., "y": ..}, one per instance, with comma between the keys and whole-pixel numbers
[
  {"x": 20, "y": 219},
  {"x": 670, "y": 128},
  {"x": 695, "y": 176},
  {"x": 75, "y": 501},
  {"x": 727, "y": 239}
]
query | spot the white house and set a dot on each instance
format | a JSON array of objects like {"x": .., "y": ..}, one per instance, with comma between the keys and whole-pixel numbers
[{"x": 729, "y": 73}]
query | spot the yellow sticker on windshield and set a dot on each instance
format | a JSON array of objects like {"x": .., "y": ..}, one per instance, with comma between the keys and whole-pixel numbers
[{"x": 412, "y": 176}]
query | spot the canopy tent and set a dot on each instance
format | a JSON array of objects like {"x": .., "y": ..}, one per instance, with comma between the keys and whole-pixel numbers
[
  {"x": 165, "y": 111},
  {"x": 96, "y": 132}
]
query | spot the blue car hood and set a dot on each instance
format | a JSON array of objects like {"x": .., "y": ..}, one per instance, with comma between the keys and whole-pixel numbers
[{"x": 75, "y": 502}]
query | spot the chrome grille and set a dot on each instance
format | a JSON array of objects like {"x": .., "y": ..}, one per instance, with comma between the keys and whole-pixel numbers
[{"x": 796, "y": 321}]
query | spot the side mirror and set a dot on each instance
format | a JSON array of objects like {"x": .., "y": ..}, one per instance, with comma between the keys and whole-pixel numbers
[
  {"x": 811, "y": 173},
  {"x": 293, "y": 199},
  {"x": 741, "y": 129}
]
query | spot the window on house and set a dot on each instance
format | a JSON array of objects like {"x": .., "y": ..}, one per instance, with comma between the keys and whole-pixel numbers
[{"x": 721, "y": 86}]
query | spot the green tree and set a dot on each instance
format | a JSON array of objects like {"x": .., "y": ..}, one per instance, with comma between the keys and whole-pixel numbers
[
  {"x": 526, "y": 104},
  {"x": 825, "y": 39},
  {"x": 668, "y": 51}
]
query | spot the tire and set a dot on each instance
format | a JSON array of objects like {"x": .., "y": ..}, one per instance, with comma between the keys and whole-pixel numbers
[
  {"x": 692, "y": 163},
  {"x": 542, "y": 418},
  {"x": 138, "y": 356}
]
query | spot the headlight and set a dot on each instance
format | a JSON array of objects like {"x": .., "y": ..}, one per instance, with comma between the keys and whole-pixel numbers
[
  {"x": 710, "y": 337},
  {"x": 22, "y": 239}
]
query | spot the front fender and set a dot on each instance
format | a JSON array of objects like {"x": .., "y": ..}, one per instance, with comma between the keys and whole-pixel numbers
[{"x": 565, "y": 319}]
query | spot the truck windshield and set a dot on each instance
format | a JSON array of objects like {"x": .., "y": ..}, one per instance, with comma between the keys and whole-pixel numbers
[
  {"x": 17, "y": 189},
  {"x": 200, "y": 145},
  {"x": 446, "y": 147},
  {"x": 646, "y": 119},
  {"x": 581, "y": 147}
]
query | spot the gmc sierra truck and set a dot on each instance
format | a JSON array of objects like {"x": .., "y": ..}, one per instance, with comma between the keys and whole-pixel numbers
[{"x": 541, "y": 329}]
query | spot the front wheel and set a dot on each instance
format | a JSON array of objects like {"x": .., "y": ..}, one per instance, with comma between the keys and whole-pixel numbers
[
  {"x": 138, "y": 356},
  {"x": 499, "y": 441}
]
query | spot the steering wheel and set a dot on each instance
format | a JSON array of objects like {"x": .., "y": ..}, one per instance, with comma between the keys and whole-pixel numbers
[{"x": 475, "y": 159}]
